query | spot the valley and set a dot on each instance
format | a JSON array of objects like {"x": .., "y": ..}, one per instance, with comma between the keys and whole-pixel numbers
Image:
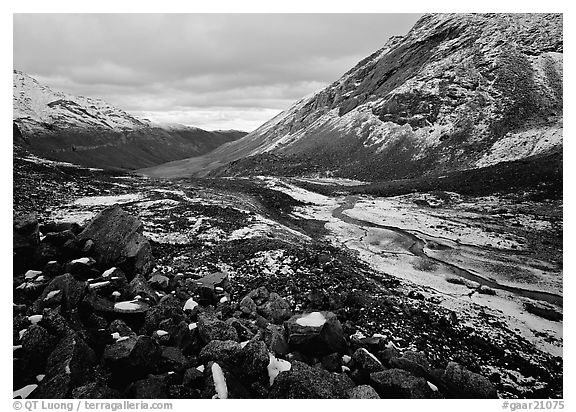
[
  {"x": 472, "y": 261},
  {"x": 395, "y": 234}
]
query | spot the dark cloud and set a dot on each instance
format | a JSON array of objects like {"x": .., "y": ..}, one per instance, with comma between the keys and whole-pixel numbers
[{"x": 212, "y": 69}]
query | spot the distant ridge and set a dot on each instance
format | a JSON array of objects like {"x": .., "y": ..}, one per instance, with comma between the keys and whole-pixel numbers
[{"x": 91, "y": 132}]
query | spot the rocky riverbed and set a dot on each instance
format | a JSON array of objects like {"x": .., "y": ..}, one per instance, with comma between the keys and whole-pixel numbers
[{"x": 132, "y": 287}]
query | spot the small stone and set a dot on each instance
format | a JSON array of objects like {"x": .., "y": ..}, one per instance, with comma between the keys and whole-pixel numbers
[{"x": 363, "y": 392}]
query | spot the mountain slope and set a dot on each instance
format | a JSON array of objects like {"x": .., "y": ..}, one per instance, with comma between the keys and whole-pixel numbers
[
  {"x": 91, "y": 132},
  {"x": 459, "y": 91}
]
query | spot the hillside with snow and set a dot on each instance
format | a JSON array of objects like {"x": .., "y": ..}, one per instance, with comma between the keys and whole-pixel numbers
[
  {"x": 93, "y": 133},
  {"x": 459, "y": 91}
]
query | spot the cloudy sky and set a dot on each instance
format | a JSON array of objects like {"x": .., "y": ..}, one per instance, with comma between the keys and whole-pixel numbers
[{"x": 215, "y": 71}]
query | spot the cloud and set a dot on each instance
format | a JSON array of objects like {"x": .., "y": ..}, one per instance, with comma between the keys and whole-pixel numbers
[{"x": 166, "y": 65}]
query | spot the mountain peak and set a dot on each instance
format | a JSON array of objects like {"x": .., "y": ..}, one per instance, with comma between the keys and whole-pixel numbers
[
  {"x": 458, "y": 91},
  {"x": 91, "y": 132}
]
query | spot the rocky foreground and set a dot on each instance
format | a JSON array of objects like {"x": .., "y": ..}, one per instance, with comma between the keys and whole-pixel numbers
[
  {"x": 98, "y": 322},
  {"x": 195, "y": 286}
]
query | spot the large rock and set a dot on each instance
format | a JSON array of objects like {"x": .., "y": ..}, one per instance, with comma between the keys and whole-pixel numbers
[
  {"x": 173, "y": 360},
  {"x": 152, "y": 387},
  {"x": 276, "y": 309},
  {"x": 226, "y": 353},
  {"x": 466, "y": 384},
  {"x": 275, "y": 339},
  {"x": 413, "y": 362},
  {"x": 26, "y": 237},
  {"x": 211, "y": 328},
  {"x": 316, "y": 333},
  {"x": 363, "y": 392},
  {"x": 67, "y": 367},
  {"x": 398, "y": 383},
  {"x": 167, "y": 309},
  {"x": 138, "y": 286},
  {"x": 543, "y": 309},
  {"x": 118, "y": 241},
  {"x": 64, "y": 289},
  {"x": 305, "y": 382},
  {"x": 95, "y": 390},
  {"x": 255, "y": 360},
  {"x": 38, "y": 343},
  {"x": 214, "y": 279},
  {"x": 131, "y": 358},
  {"x": 366, "y": 362}
]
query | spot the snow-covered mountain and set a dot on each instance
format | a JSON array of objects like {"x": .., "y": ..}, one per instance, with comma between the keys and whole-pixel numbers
[
  {"x": 459, "y": 91},
  {"x": 91, "y": 132}
]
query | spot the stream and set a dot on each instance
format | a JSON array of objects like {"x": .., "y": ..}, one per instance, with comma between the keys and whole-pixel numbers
[{"x": 417, "y": 249}]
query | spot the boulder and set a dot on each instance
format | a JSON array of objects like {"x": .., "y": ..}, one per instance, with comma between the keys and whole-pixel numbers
[
  {"x": 387, "y": 354},
  {"x": 413, "y": 362},
  {"x": 306, "y": 382},
  {"x": 544, "y": 310},
  {"x": 59, "y": 238},
  {"x": 363, "y": 392},
  {"x": 159, "y": 281},
  {"x": 83, "y": 268},
  {"x": 52, "y": 269},
  {"x": 276, "y": 309},
  {"x": 247, "y": 305},
  {"x": 172, "y": 359},
  {"x": 26, "y": 237},
  {"x": 95, "y": 390},
  {"x": 366, "y": 362},
  {"x": 255, "y": 360},
  {"x": 316, "y": 333},
  {"x": 275, "y": 339},
  {"x": 120, "y": 327},
  {"x": 213, "y": 280},
  {"x": 56, "y": 227},
  {"x": 131, "y": 358},
  {"x": 244, "y": 328},
  {"x": 152, "y": 387},
  {"x": 67, "y": 367},
  {"x": 38, "y": 343},
  {"x": 187, "y": 339},
  {"x": 332, "y": 362},
  {"x": 211, "y": 328},
  {"x": 138, "y": 286},
  {"x": 206, "y": 295},
  {"x": 193, "y": 378},
  {"x": 466, "y": 384},
  {"x": 118, "y": 241},
  {"x": 168, "y": 309},
  {"x": 259, "y": 296},
  {"x": 398, "y": 383},
  {"x": 63, "y": 289},
  {"x": 45, "y": 252},
  {"x": 226, "y": 353}
]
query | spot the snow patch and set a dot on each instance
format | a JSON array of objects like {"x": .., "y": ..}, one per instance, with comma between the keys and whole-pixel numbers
[
  {"x": 314, "y": 319},
  {"x": 24, "y": 392},
  {"x": 275, "y": 366},
  {"x": 127, "y": 306},
  {"x": 108, "y": 200},
  {"x": 35, "y": 319},
  {"x": 219, "y": 382},
  {"x": 31, "y": 274},
  {"x": 190, "y": 304}
]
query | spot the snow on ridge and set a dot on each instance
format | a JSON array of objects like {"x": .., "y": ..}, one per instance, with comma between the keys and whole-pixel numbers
[
  {"x": 37, "y": 105},
  {"x": 523, "y": 144}
]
